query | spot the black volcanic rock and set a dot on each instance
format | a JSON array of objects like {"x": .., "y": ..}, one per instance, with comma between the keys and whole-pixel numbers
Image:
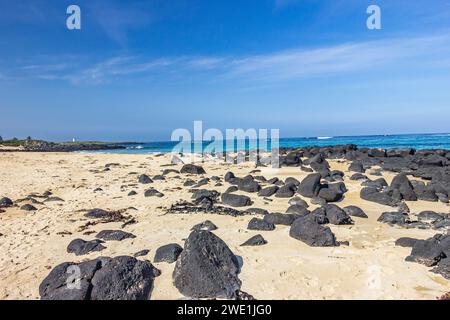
[
  {"x": 192, "y": 169},
  {"x": 114, "y": 235},
  {"x": 82, "y": 247},
  {"x": 5, "y": 202},
  {"x": 313, "y": 234},
  {"x": 144, "y": 179},
  {"x": 310, "y": 186},
  {"x": 257, "y": 240},
  {"x": 260, "y": 224},
  {"x": 235, "y": 200},
  {"x": 168, "y": 253},
  {"x": 206, "y": 268},
  {"x": 355, "y": 212},
  {"x": 268, "y": 191}
]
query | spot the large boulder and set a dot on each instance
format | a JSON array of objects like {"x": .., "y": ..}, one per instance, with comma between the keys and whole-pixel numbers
[
  {"x": 235, "y": 200},
  {"x": 373, "y": 195},
  {"x": 313, "y": 234},
  {"x": 404, "y": 186},
  {"x": 310, "y": 186},
  {"x": 206, "y": 268},
  {"x": 428, "y": 252},
  {"x": 123, "y": 278},
  {"x": 298, "y": 210},
  {"x": 120, "y": 278}
]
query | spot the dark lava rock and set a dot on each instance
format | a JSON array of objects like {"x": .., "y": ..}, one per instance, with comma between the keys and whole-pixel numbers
[
  {"x": 189, "y": 182},
  {"x": 356, "y": 166},
  {"x": 372, "y": 194},
  {"x": 318, "y": 201},
  {"x": 248, "y": 184},
  {"x": 5, "y": 202},
  {"x": 298, "y": 210},
  {"x": 257, "y": 240},
  {"x": 430, "y": 216},
  {"x": 260, "y": 224},
  {"x": 28, "y": 207},
  {"x": 286, "y": 191},
  {"x": 144, "y": 179},
  {"x": 235, "y": 200},
  {"x": 198, "y": 195},
  {"x": 82, "y": 247},
  {"x": 403, "y": 207},
  {"x": 319, "y": 215},
  {"x": 257, "y": 211},
  {"x": 268, "y": 191},
  {"x": 141, "y": 253},
  {"x": 114, "y": 235},
  {"x": 428, "y": 252},
  {"x": 280, "y": 218},
  {"x": 53, "y": 199},
  {"x": 152, "y": 192},
  {"x": 297, "y": 201},
  {"x": 336, "y": 215},
  {"x": 202, "y": 182},
  {"x": 192, "y": 169},
  {"x": 358, "y": 176},
  {"x": 404, "y": 186},
  {"x": 206, "y": 268},
  {"x": 159, "y": 177},
  {"x": 132, "y": 193},
  {"x": 406, "y": 242},
  {"x": 231, "y": 189},
  {"x": 394, "y": 218},
  {"x": 62, "y": 282},
  {"x": 443, "y": 268},
  {"x": 98, "y": 214},
  {"x": 310, "y": 186},
  {"x": 168, "y": 171},
  {"x": 206, "y": 225},
  {"x": 330, "y": 194},
  {"x": 355, "y": 212},
  {"x": 292, "y": 180},
  {"x": 168, "y": 253},
  {"x": 313, "y": 234},
  {"x": 228, "y": 176},
  {"x": 379, "y": 183},
  {"x": 123, "y": 278}
]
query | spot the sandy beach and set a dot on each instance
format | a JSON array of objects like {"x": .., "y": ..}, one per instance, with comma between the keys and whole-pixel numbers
[{"x": 33, "y": 242}]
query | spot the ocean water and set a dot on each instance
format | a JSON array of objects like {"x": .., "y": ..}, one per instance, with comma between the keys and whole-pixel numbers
[{"x": 417, "y": 141}]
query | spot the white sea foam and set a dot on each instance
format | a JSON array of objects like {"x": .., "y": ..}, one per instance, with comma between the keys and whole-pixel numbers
[{"x": 324, "y": 138}]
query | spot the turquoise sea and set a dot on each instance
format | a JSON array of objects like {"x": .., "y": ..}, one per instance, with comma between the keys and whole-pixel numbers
[{"x": 417, "y": 141}]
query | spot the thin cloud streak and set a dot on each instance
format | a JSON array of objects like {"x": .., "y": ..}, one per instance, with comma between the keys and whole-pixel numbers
[{"x": 284, "y": 65}]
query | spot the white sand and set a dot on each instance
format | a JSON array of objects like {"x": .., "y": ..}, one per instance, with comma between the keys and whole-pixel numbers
[{"x": 370, "y": 268}]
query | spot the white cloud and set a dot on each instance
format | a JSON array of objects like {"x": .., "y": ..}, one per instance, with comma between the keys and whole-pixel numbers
[{"x": 301, "y": 63}]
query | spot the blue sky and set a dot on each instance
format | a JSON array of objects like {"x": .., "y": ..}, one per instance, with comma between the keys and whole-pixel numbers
[{"x": 139, "y": 69}]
